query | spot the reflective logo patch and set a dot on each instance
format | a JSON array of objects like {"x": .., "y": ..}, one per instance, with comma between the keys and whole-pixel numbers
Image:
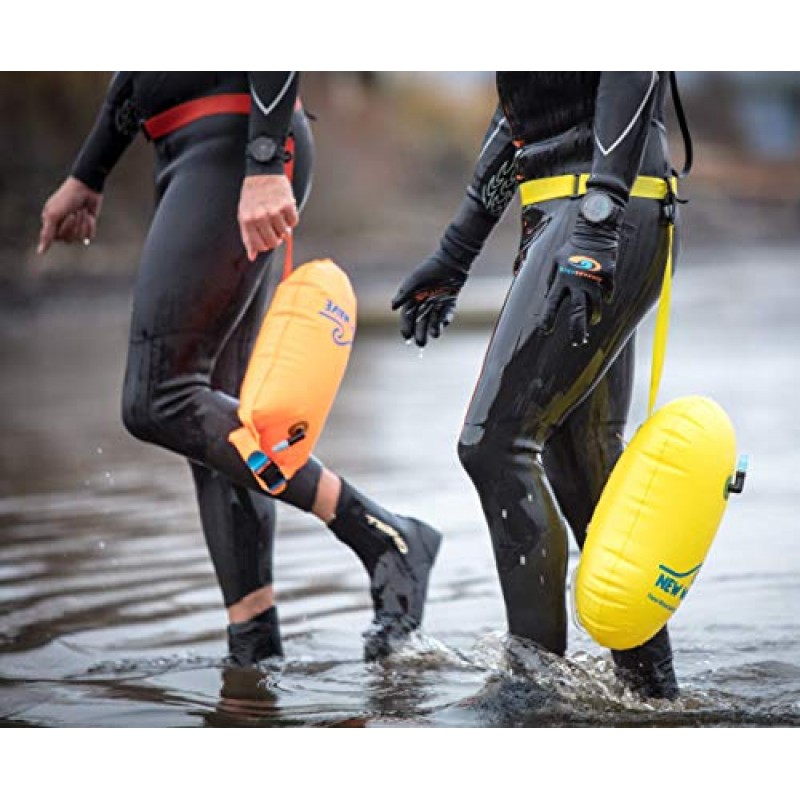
[{"x": 394, "y": 535}]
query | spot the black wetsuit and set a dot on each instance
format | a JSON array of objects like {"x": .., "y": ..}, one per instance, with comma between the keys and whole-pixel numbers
[
  {"x": 545, "y": 424},
  {"x": 198, "y": 305},
  {"x": 198, "y": 301}
]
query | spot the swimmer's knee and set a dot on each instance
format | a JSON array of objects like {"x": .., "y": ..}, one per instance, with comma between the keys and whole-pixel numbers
[
  {"x": 467, "y": 454},
  {"x": 486, "y": 453},
  {"x": 480, "y": 451},
  {"x": 147, "y": 414},
  {"x": 139, "y": 417},
  {"x": 165, "y": 411}
]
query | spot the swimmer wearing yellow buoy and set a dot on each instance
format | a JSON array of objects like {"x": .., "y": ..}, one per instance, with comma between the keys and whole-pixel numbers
[
  {"x": 655, "y": 522},
  {"x": 587, "y": 153}
]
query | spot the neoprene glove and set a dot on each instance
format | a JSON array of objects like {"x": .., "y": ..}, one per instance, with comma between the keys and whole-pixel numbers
[
  {"x": 583, "y": 277},
  {"x": 428, "y": 295},
  {"x": 428, "y": 298}
]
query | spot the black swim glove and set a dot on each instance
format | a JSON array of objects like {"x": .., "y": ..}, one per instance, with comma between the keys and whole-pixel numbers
[
  {"x": 583, "y": 275},
  {"x": 428, "y": 295},
  {"x": 428, "y": 298}
]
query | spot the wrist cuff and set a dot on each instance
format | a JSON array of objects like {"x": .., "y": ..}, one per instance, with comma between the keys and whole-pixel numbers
[
  {"x": 467, "y": 233},
  {"x": 95, "y": 179},
  {"x": 275, "y": 166}
]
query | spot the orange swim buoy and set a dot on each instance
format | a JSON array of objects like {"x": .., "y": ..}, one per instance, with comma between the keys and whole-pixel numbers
[{"x": 297, "y": 365}]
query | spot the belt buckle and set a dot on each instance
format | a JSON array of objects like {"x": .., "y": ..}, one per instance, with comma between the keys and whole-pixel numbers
[
  {"x": 576, "y": 187},
  {"x": 669, "y": 203}
]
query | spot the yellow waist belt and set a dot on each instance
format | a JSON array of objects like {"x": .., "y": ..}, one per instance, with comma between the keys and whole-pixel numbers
[{"x": 540, "y": 190}]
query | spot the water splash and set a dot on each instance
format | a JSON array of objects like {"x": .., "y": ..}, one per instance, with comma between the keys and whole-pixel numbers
[
  {"x": 422, "y": 651},
  {"x": 527, "y": 685}
]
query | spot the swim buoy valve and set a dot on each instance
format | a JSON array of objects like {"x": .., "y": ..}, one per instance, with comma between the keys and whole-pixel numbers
[
  {"x": 268, "y": 471},
  {"x": 735, "y": 485}
]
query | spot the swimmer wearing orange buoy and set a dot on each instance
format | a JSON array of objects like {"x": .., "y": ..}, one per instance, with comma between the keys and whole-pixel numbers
[{"x": 222, "y": 142}]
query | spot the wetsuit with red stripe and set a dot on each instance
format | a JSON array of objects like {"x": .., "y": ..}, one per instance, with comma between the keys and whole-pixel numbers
[
  {"x": 198, "y": 301},
  {"x": 198, "y": 304},
  {"x": 135, "y": 97}
]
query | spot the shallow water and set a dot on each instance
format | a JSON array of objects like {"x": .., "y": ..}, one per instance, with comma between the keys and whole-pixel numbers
[{"x": 110, "y": 615}]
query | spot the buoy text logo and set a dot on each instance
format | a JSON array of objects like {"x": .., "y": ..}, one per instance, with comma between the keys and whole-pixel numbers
[
  {"x": 672, "y": 585},
  {"x": 344, "y": 329}
]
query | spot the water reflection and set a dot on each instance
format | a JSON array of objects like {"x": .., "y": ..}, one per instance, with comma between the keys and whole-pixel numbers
[{"x": 110, "y": 614}]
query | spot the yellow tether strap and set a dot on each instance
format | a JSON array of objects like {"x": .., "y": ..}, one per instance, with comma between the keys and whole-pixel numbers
[
  {"x": 662, "y": 326},
  {"x": 540, "y": 190}
]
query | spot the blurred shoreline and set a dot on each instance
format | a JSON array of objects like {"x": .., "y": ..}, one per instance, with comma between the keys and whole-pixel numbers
[
  {"x": 394, "y": 153},
  {"x": 479, "y": 303}
]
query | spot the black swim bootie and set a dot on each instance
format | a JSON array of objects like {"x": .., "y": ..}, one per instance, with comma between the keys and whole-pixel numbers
[
  {"x": 648, "y": 669},
  {"x": 253, "y": 641},
  {"x": 398, "y": 553}
]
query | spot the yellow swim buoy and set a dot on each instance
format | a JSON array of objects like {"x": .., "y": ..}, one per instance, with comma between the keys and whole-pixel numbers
[
  {"x": 655, "y": 522},
  {"x": 294, "y": 373}
]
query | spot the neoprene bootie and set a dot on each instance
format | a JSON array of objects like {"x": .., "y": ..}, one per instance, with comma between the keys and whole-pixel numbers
[
  {"x": 253, "y": 641},
  {"x": 648, "y": 669},
  {"x": 398, "y": 554}
]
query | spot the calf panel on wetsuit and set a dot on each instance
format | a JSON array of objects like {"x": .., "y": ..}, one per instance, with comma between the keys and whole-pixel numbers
[
  {"x": 238, "y": 524},
  {"x": 239, "y": 528},
  {"x": 529, "y": 385},
  {"x": 192, "y": 289}
]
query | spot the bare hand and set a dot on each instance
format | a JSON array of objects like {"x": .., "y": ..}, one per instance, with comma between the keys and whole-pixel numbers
[
  {"x": 267, "y": 213},
  {"x": 69, "y": 215}
]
